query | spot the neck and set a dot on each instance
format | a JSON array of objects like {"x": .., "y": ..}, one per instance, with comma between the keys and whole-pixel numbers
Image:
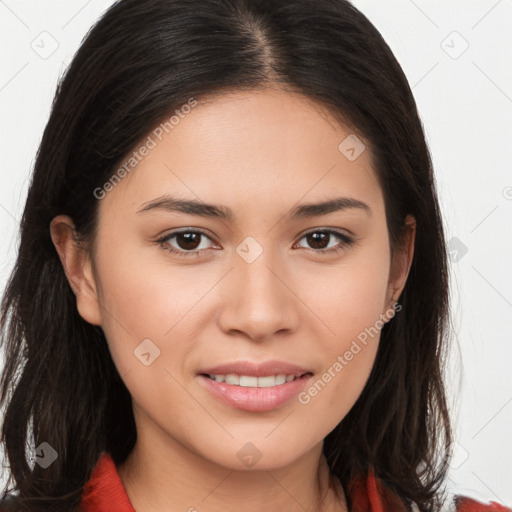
[{"x": 163, "y": 475}]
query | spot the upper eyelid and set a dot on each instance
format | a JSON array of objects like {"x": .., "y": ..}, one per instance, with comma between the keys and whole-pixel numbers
[
  {"x": 336, "y": 231},
  {"x": 187, "y": 230}
]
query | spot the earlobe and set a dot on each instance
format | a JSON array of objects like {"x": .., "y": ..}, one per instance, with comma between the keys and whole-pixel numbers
[{"x": 77, "y": 267}]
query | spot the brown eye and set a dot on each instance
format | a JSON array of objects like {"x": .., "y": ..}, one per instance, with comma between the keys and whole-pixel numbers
[
  {"x": 185, "y": 243},
  {"x": 320, "y": 241},
  {"x": 188, "y": 241}
]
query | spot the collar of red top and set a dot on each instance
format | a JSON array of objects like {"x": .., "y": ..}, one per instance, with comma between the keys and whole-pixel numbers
[{"x": 367, "y": 494}]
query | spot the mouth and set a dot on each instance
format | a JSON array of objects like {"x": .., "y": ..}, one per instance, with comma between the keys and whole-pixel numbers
[{"x": 255, "y": 387}]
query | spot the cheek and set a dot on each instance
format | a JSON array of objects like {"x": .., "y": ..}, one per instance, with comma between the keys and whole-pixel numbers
[
  {"x": 350, "y": 296},
  {"x": 350, "y": 305},
  {"x": 348, "y": 360},
  {"x": 146, "y": 307},
  {"x": 143, "y": 300}
]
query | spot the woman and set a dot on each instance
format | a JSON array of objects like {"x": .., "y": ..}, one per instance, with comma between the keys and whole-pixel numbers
[{"x": 231, "y": 288}]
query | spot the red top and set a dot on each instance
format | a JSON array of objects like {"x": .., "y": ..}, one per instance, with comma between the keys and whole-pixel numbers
[{"x": 105, "y": 492}]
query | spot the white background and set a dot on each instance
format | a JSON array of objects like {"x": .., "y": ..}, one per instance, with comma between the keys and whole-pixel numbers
[{"x": 465, "y": 101}]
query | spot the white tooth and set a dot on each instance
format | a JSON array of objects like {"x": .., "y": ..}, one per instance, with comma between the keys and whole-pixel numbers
[
  {"x": 266, "y": 382},
  {"x": 251, "y": 381},
  {"x": 231, "y": 378},
  {"x": 280, "y": 379},
  {"x": 248, "y": 381}
]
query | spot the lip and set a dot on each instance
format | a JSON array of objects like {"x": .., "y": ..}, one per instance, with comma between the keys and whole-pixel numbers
[
  {"x": 254, "y": 399},
  {"x": 253, "y": 369}
]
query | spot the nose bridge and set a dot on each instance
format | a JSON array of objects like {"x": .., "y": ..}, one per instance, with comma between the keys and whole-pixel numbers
[{"x": 258, "y": 301}]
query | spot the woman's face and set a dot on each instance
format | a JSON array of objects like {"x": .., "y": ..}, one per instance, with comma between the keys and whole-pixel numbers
[{"x": 260, "y": 283}]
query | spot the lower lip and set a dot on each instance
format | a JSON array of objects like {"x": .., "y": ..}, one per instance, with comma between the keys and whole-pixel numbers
[{"x": 255, "y": 399}]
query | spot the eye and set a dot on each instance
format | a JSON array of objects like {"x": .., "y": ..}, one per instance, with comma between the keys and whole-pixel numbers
[
  {"x": 184, "y": 243},
  {"x": 320, "y": 241},
  {"x": 190, "y": 242}
]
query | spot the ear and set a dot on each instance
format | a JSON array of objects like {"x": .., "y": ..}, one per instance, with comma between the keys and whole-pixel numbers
[
  {"x": 77, "y": 266},
  {"x": 401, "y": 262}
]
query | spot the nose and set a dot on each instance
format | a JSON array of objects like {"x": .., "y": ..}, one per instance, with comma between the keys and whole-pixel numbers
[{"x": 259, "y": 299}]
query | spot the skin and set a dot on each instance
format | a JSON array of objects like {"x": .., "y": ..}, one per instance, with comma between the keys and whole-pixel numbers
[{"x": 261, "y": 154}]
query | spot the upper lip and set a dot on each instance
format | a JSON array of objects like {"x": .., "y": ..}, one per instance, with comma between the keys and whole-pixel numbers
[{"x": 255, "y": 369}]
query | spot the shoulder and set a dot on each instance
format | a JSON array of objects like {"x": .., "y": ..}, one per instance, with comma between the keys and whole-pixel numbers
[
  {"x": 6, "y": 503},
  {"x": 467, "y": 504},
  {"x": 368, "y": 493}
]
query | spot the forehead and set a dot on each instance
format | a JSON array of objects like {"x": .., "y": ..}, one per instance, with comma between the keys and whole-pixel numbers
[{"x": 250, "y": 148}]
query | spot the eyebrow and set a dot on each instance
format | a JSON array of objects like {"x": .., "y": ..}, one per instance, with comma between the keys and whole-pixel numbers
[{"x": 193, "y": 207}]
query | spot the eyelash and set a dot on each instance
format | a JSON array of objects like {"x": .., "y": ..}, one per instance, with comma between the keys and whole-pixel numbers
[{"x": 346, "y": 241}]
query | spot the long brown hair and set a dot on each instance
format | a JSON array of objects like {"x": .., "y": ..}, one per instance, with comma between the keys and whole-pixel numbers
[{"x": 142, "y": 60}]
